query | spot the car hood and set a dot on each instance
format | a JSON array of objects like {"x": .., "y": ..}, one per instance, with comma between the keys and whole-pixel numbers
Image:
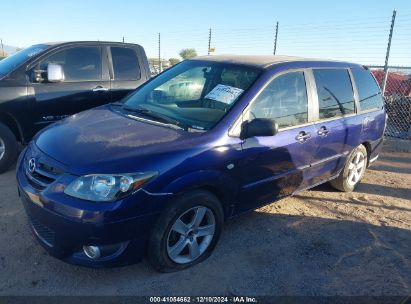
[{"x": 103, "y": 141}]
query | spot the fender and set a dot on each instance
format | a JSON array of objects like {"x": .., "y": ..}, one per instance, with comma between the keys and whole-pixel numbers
[
  {"x": 221, "y": 184},
  {"x": 11, "y": 122},
  {"x": 374, "y": 148}
]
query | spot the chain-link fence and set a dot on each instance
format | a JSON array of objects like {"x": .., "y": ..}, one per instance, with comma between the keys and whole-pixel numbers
[{"x": 397, "y": 98}]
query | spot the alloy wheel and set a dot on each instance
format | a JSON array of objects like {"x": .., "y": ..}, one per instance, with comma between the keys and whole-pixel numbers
[
  {"x": 2, "y": 148},
  {"x": 191, "y": 235},
  {"x": 356, "y": 168}
]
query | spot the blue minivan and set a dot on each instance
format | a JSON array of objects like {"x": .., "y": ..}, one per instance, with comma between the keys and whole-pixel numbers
[{"x": 158, "y": 173}]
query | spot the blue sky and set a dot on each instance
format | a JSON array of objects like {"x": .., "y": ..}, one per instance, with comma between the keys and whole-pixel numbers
[{"x": 347, "y": 30}]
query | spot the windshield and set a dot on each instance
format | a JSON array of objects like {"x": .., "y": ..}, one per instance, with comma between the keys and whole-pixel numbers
[
  {"x": 9, "y": 63},
  {"x": 194, "y": 94}
]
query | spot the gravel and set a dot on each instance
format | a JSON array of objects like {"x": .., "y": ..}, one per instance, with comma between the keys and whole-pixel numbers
[{"x": 319, "y": 242}]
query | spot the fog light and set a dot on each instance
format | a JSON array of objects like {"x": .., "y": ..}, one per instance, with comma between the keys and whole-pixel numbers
[
  {"x": 93, "y": 252},
  {"x": 103, "y": 251}
]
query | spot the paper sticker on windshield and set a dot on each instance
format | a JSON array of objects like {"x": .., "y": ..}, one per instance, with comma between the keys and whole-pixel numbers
[{"x": 224, "y": 93}]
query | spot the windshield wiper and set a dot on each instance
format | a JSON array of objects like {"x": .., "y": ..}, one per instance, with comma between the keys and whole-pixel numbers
[
  {"x": 116, "y": 104},
  {"x": 157, "y": 116}
]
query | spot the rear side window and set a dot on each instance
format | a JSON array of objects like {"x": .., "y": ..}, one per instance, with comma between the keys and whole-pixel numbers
[
  {"x": 368, "y": 90},
  {"x": 125, "y": 64},
  {"x": 283, "y": 100},
  {"x": 335, "y": 93},
  {"x": 78, "y": 63}
]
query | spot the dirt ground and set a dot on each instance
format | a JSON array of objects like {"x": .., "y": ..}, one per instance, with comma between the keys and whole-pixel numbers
[{"x": 319, "y": 242}]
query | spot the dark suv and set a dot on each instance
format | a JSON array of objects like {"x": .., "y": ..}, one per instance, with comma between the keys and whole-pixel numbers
[{"x": 46, "y": 82}]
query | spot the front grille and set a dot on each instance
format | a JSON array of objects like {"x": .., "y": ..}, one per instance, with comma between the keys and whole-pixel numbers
[
  {"x": 43, "y": 175},
  {"x": 43, "y": 232},
  {"x": 39, "y": 180}
]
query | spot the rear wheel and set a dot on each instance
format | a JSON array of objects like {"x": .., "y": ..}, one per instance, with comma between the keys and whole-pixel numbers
[
  {"x": 353, "y": 170},
  {"x": 8, "y": 148},
  {"x": 186, "y": 233}
]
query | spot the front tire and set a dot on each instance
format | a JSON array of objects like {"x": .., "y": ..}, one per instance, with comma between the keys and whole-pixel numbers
[
  {"x": 8, "y": 148},
  {"x": 186, "y": 232},
  {"x": 353, "y": 170}
]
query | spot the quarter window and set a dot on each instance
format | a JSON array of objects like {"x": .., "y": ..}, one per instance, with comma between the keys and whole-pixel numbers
[
  {"x": 79, "y": 63},
  {"x": 368, "y": 90},
  {"x": 125, "y": 64},
  {"x": 283, "y": 100},
  {"x": 335, "y": 93}
]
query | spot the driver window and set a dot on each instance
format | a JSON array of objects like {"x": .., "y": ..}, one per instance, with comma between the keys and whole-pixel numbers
[
  {"x": 79, "y": 63},
  {"x": 283, "y": 100}
]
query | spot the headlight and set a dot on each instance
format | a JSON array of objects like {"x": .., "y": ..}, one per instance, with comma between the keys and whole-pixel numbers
[{"x": 106, "y": 188}]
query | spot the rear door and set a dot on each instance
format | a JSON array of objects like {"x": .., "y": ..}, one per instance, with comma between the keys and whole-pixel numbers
[
  {"x": 86, "y": 83},
  {"x": 127, "y": 70},
  {"x": 370, "y": 121},
  {"x": 335, "y": 107},
  {"x": 371, "y": 104},
  {"x": 276, "y": 166}
]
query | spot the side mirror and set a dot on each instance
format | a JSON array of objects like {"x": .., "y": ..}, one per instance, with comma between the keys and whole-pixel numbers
[
  {"x": 55, "y": 72},
  {"x": 258, "y": 127}
]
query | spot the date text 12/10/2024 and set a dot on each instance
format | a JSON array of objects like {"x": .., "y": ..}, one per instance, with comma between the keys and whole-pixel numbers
[{"x": 233, "y": 299}]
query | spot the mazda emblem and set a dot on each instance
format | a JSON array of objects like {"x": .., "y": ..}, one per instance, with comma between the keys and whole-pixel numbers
[{"x": 32, "y": 165}]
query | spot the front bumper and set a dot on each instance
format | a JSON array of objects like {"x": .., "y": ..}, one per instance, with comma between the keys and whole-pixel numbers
[{"x": 63, "y": 225}]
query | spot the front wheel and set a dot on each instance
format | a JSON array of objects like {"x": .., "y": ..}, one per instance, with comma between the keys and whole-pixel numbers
[
  {"x": 186, "y": 233},
  {"x": 353, "y": 170},
  {"x": 8, "y": 148}
]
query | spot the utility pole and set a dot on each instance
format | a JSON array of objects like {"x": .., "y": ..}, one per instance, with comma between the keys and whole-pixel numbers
[
  {"x": 209, "y": 41},
  {"x": 387, "y": 56},
  {"x": 2, "y": 48},
  {"x": 275, "y": 39},
  {"x": 159, "y": 53}
]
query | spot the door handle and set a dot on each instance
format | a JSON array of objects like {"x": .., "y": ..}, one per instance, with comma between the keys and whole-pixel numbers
[
  {"x": 323, "y": 131},
  {"x": 100, "y": 89},
  {"x": 302, "y": 136}
]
